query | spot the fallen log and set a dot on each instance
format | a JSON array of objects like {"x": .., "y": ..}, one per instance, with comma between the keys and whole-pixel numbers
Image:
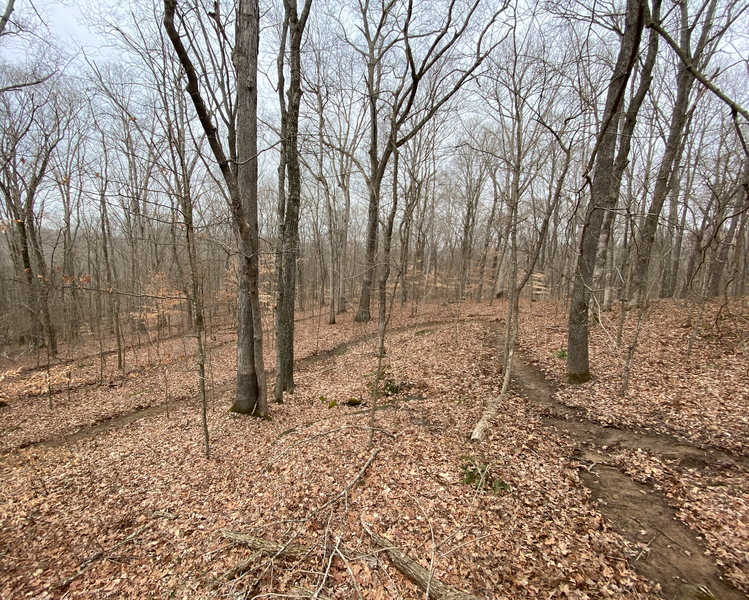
[
  {"x": 260, "y": 547},
  {"x": 411, "y": 569},
  {"x": 265, "y": 547}
]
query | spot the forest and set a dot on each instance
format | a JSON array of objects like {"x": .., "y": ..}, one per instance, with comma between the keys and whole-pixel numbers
[{"x": 374, "y": 299}]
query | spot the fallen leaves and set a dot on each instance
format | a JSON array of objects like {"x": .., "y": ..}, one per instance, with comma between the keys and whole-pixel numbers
[
  {"x": 702, "y": 398},
  {"x": 306, "y": 478}
]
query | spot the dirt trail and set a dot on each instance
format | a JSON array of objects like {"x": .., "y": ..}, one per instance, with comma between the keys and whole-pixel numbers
[
  {"x": 676, "y": 557},
  {"x": 126, "y": 419}
]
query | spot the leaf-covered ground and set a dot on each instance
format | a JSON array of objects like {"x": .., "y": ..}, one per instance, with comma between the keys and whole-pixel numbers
[
  {"x": 139, "y": 512},
  {"x": 701, "y": 397}
]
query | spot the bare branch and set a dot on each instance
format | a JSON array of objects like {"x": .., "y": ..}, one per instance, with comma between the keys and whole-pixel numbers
[{"x": 698, "y": 75}]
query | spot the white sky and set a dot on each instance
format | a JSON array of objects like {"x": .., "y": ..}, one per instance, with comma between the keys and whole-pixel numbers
[{"x": 62, "y": 22}]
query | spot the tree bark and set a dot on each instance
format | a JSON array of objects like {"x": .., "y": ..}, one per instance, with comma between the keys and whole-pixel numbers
[
  {"x": 294, "y": 24},
  {"x": 241, "y": 182},
  {"x": 6, "y": 16},
  {"x": 679, "y": 118},
  {"x": 411, "y": 569},
  {"x": 578, "y": 364},
  {"x": 251, "y": 386}
]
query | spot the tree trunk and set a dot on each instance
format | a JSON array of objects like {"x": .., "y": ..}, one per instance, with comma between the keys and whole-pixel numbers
[
  {"x": 251, "y": 387},
  {"x": 679, "y": 119},
  {"x": 720, "y": 258},
  {"x": 241, "y": 181},
  {"x": 601, "y": 198},
  {"x": 295, "y": 24},
  {"x": 488, "y": 235}
]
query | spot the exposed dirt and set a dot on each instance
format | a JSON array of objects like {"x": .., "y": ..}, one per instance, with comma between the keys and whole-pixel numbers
[{"x": 675, "y": 556}]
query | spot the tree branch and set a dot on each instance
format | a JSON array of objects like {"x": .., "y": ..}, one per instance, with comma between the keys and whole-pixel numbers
[{"x": 698, "y": 75}]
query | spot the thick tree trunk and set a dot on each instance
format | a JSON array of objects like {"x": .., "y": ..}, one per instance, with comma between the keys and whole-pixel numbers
[
  {"x": 251, "y": 388},
  {"x": 740, "y": 262},
  {"x": 240, "y": 177},
  {"x": 474, "y": 182},
  {"x": 31, "y": 302},
  {"x": 375, "y": 181},
  {"x": 197, "y": 302},
  {"x": 343, "y": 249},
  {"x": 625, "y": 143},
  {"x": 43, "y": 292},
  {"x": 290, "y": 234},
  {"x": 412, "y": 200},
  {"x": 283, "y": 334},
  {"x": 6, "y": 15}
]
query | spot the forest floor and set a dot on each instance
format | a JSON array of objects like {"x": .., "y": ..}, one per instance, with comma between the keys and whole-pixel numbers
[{"x": 576, "y": 492}]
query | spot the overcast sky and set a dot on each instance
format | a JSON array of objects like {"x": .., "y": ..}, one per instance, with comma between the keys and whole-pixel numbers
[{"x": 63, "y": 23}]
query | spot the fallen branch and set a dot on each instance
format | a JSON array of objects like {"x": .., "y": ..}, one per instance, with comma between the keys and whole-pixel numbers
[
  {"x": 411, "y": 569},
  {"x": 492, "y": 408},
  {"x": 350, "y": 572},
  {"x": 351, "y": 484},
  {"x": 274, "y": 549},
  {"x": 489, "y": 413},
  {"x": 288, "y": 550},
  {"x": 241, "y": 567},
  {"x": 261, "y": 547},
  {"x": 301, "y": 592}
]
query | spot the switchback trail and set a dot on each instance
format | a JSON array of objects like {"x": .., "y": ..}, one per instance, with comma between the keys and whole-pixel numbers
[{"x": 675, "y": 558}]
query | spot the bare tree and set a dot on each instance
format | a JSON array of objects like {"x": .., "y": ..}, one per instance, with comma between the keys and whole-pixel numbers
[
  {"x": 288, "y": 203},
  {"x": 601, "y": 196},
  {"x": 34, "y": 122},
  {"x": 429, "y": 61},
  {"x": 239, "y": 172},
  {"x": 521, "y": 85},
  {"x": 699, "y": 54},
  {"x": 332, "y": 81},
  {"x": 6, "y": 16}
]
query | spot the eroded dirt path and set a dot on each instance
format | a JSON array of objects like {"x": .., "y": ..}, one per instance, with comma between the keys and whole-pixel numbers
[{"x": 675, "y": 556}]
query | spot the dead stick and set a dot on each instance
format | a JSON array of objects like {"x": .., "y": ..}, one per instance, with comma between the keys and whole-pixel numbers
[
  {"x": 351, "y": 484},
  {"x": 350, "y": 572},
  {"x": 415, "y": 572},
  {"x": 241, "y": 567},
  {"x": 287, "y": 550},
  {"x": 274, "y": 549}
]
